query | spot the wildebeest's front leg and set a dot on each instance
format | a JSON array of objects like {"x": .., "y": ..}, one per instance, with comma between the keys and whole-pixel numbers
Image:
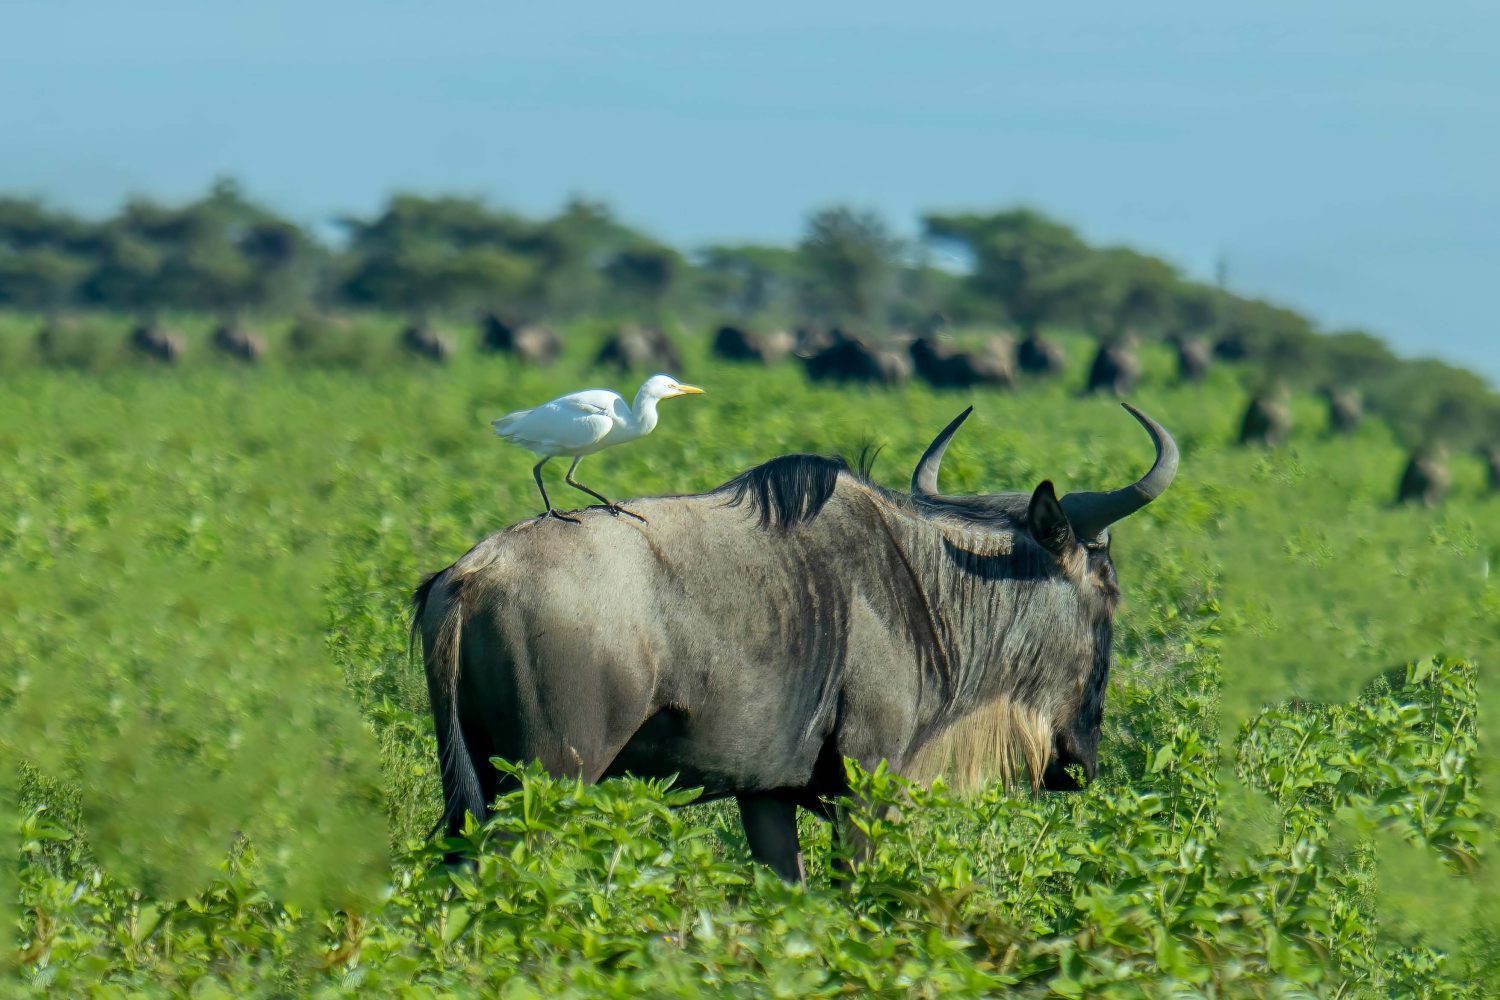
[{"x": 771, "y": 830}]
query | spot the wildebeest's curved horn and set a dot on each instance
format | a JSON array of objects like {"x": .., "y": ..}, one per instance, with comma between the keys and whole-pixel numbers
[
  {"x": 924, "y": 481},
  {"x": 1091, "y": 513}
]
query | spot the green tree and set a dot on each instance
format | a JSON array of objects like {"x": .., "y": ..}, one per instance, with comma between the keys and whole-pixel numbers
[
  {"x": 284, "y": 263},
  {"x": 1016, "y": 256},
  {"x": 221, "y": 252},
  {"x": 572, "y": 250},
  {"x": 124, "y": 272},
  {"x": 421, "y": 254},
  {"x": 1280, "y": 339},
  {"x": 1111, "y": 292},
  {"x": 748, "y": 280},
  {"x": 644, "y": 275},
  {"x": 1354, "y": 357},
  {"x": 43, "y": 255},
  {"x": 1196, "y": 308},
  {"x": 42, "y": 279},
  {"x": 28, "y": 224},
  {"x": 848, "y": 259}
]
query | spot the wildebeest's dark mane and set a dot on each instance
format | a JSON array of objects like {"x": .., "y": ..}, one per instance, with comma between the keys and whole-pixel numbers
[
  {"x": 787, "y": 490},
  {"x": 792, "y": 489}
]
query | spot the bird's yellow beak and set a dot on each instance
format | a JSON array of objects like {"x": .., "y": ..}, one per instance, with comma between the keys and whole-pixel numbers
[{"x": 687, "y": 390}]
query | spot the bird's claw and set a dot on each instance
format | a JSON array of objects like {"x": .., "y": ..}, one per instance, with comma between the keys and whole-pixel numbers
[
  {"x": 617, "y": 510},
  {"x": 562, "y": 517}
]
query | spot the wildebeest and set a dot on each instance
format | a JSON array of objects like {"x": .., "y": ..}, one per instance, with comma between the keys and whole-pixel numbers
[
  {"x": 1346, "y": 409},
  {"x": 1195, "y": 356},
  {"x": 942, "y": 367},
  {"x": 65, "y": 342},
  {"x": 425, "y": 342},
  {"x": 1267, "y": 420},
  {"x": 1491, "y": 457},
  {"x": 636, "y": 348},
  {"x": 849, "y": 358},
  {"x": 1231, "y": 347},
  {"x": 1036, "y": 355},
  {"x": 734, "y": 343},
  {"x": 535, "y": 345},
  {"x": 151, "y": 340},
  {"x": 233, "y": 340},
  {"x": 1115, "y": 368},
  {"x": 810, "y": 339},
  {"x": 749, "y": 639},
  {"x": 1425, "y": 479}
]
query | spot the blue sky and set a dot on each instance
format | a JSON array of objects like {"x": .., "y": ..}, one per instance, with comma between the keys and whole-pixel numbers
[{"x": 1343, "y": 157}]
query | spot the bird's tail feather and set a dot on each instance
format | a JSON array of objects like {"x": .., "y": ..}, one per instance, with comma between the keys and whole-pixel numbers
[{"x": 505, "y": 423}]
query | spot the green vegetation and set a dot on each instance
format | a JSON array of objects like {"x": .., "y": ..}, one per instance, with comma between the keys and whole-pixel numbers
[
  {"x": 219, "y": 770},
  {"x": 453, "y": 258}
]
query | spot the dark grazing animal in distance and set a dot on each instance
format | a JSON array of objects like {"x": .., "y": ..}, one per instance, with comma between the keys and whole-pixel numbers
[
  {"x": 1036, "y": 355},
  {"x": 1491, "y": 457},
  {"x": 942, "y": 367},
  {"x": 636, "y": 348},
  {"x": 1425, "y": 479},
  {"x": 749, "y": 639},
  {"x": 234, "y": 341},
  {"x": 1195, "y": 356},
  {"x": 734, "y": 343},
  {"x": 1115, "y": 368},
  {"x": 535, "y": 345},
  {"x": 152, "y": 341},
  {"x": 1267, "y": 420},
  {"x": 1346, "y": 409},
  {"x": 424, "y": 342},
  {"x": 850, "y": 358}
]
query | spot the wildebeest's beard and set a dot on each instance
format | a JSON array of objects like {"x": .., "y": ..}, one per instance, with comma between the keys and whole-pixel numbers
[
  {"x": 1029, "y": 634},
  {"x": 1050, "y": 700},
  {"x": 1076, "y": 742}
]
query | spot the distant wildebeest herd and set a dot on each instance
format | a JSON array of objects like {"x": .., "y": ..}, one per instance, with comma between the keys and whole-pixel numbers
[{"x": 829, "y": 353}]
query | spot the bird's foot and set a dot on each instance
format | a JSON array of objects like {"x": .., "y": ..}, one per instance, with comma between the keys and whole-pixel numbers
[
  {"x": 551, "y": 512},
  {"x": 617, "y": 510}
]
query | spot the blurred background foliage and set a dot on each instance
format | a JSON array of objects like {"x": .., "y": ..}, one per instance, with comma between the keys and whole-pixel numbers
[{"x": 422, "y": 257}]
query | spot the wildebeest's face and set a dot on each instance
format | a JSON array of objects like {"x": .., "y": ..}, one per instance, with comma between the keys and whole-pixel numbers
[
  {"x": 1076, "y": 627},
  {"x": 1087, "y": 567}
]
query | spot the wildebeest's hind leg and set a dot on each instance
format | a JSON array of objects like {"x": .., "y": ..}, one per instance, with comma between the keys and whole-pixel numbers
[{"x": 771, "y": 831}]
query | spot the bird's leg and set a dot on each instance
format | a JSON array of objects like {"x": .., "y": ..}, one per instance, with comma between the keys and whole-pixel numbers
[
  {"x": 536, "y": 472},
  {"x": 609, "y": 504}
]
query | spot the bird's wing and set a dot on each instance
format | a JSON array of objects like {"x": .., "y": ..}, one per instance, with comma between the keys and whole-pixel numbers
[
  {"x": 591, "y": 401},
  {"x": 565, "y": 425}
]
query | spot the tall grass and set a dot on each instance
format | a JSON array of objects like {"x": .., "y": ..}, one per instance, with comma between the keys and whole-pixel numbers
[{"x": 220, "y": 765}]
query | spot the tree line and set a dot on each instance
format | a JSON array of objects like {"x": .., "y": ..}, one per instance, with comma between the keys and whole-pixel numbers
[{"x": 227, "y": 254}]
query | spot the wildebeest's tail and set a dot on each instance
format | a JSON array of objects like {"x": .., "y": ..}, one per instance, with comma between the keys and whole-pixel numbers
[{"x": 461, "y": 790}]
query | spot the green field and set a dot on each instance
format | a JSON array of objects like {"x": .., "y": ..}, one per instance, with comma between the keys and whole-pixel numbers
[{"x": 221, "y": 766}]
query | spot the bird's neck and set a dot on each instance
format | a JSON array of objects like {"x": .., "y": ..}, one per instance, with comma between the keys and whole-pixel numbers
[{"x": 644, "y": 412}]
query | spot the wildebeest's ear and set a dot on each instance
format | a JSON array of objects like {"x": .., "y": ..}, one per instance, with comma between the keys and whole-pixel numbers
[{"x": 1048, "y": 524}]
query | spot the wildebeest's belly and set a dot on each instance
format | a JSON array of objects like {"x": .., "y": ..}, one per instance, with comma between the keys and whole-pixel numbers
[{"x": 667, "y": 745}]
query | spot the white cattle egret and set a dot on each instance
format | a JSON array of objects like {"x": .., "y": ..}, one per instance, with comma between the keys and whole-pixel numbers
[{"x": 582, "y": 423}]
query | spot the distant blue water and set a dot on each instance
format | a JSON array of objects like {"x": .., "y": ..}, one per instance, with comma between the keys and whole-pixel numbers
[{"x": 1342, "y": 157}]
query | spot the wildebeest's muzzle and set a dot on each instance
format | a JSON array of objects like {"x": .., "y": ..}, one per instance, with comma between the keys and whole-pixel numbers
[{"x": 1068, "y": 758}]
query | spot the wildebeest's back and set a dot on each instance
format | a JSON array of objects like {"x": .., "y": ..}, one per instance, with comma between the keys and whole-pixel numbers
[{"x": 733, "y": 673}]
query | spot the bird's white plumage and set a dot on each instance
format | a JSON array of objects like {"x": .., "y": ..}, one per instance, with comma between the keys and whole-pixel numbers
[
  {"x": 576, "y": 424},
  {"x": 584, "y": 422}
]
